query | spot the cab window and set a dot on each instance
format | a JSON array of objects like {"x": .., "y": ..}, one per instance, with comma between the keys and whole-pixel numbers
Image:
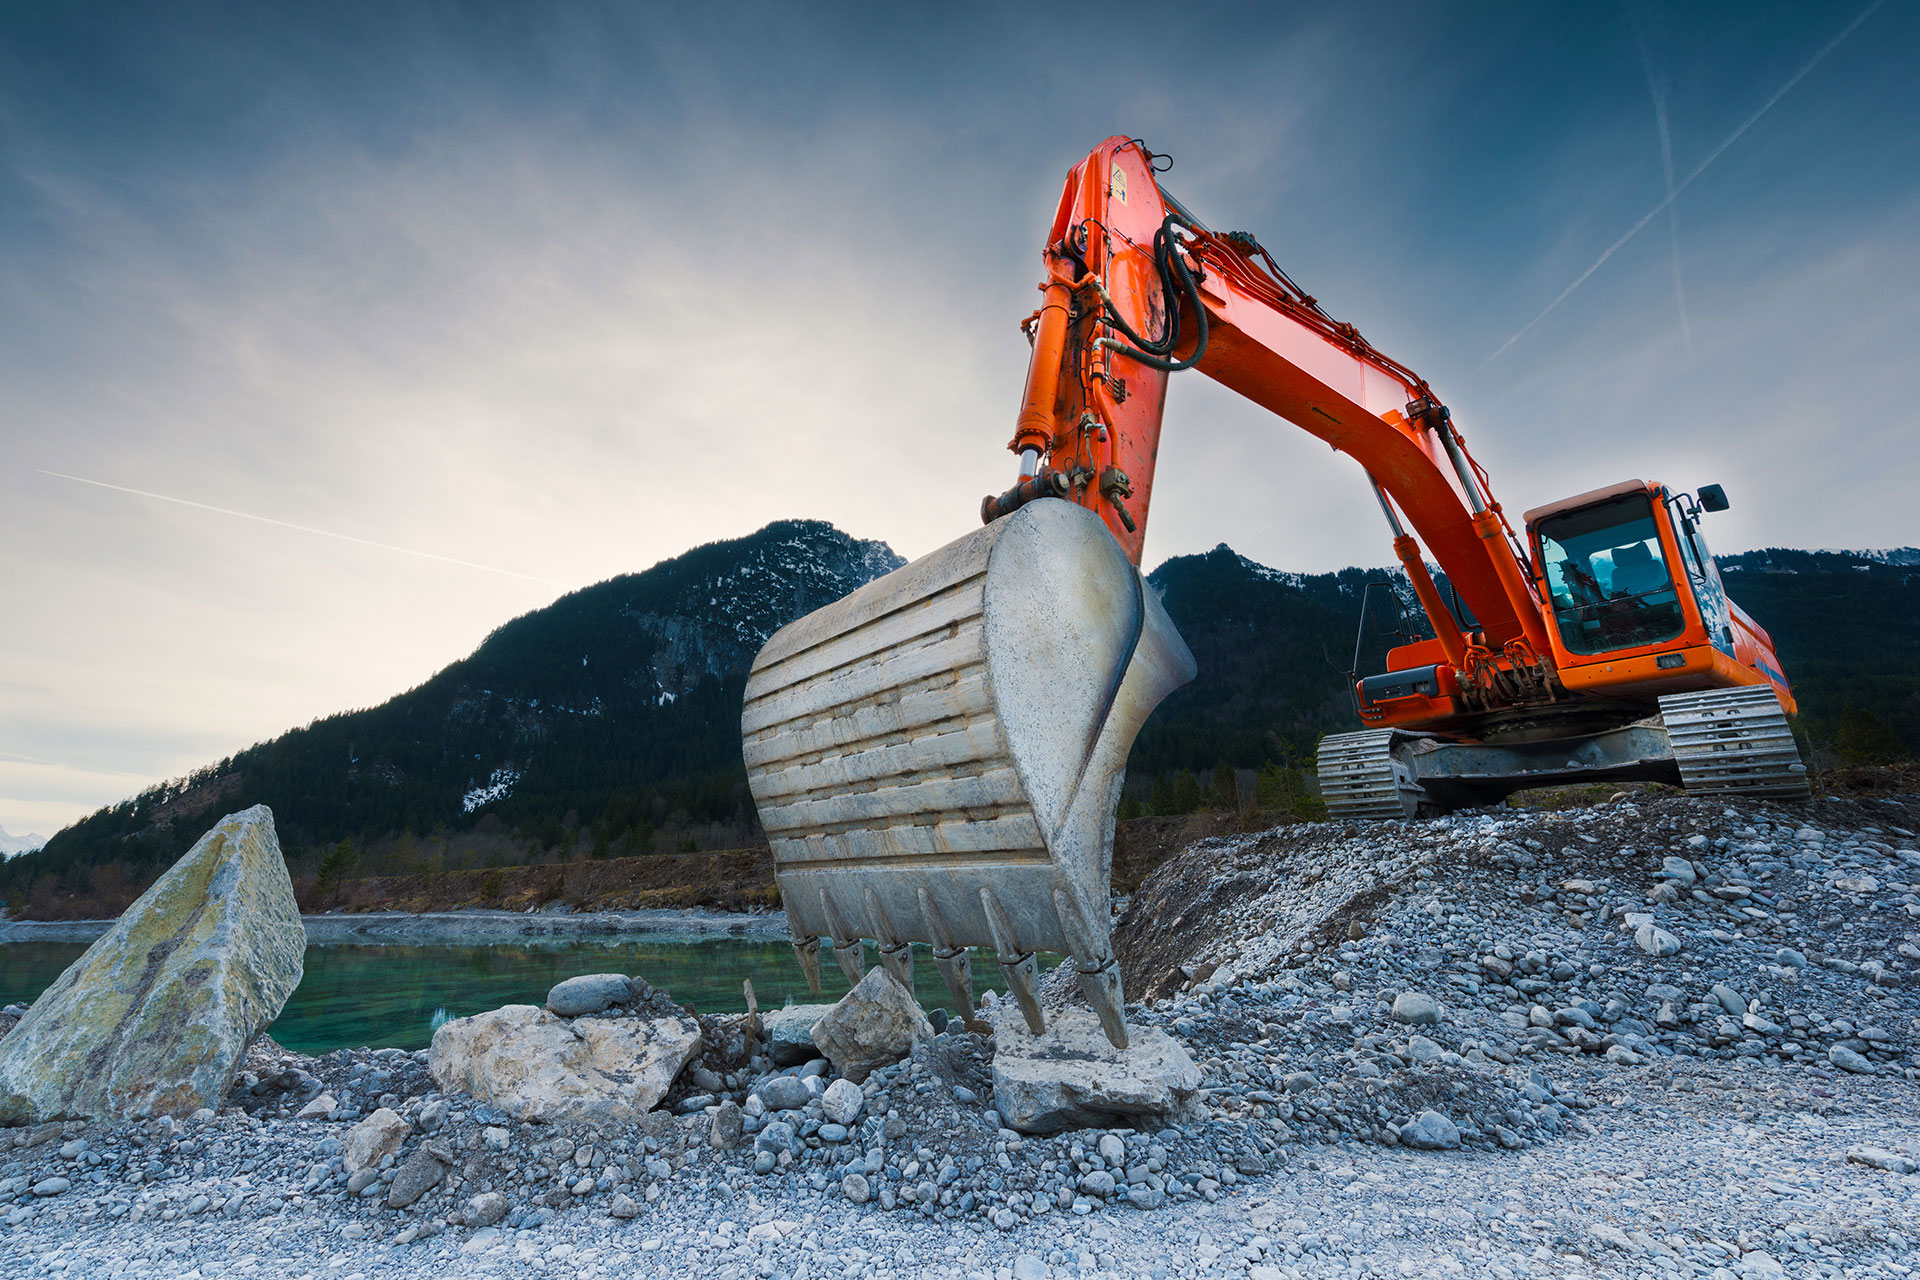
[{"x": 1609, "y": 580}]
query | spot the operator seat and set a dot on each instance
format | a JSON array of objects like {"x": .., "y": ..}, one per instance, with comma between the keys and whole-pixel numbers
[{"x": 1635, "y": 571}]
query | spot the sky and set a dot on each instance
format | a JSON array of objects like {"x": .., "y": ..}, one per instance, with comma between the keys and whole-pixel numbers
[{"x": 330, "y": 342}]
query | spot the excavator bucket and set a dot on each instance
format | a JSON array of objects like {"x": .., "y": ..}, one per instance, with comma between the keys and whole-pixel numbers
[{"x": 938, "y": 756}]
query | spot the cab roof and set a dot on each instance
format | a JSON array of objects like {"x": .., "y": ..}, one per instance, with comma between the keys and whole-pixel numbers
[{"x": 1586, "y": 499}]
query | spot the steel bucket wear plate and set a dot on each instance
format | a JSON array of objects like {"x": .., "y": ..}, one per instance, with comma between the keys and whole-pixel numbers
[{"x": 937, "y": 757}]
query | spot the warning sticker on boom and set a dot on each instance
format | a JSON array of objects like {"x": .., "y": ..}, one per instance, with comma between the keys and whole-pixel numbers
[{"x": 1117, "y": 187}]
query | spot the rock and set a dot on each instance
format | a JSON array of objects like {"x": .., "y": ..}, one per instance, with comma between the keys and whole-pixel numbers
[
  {"x": 873, "y": 1025},
  {"x": 729, "y": 1127},
  {"x": 589, "y": 993},
  {"x": 1608, "y": 1234},
  {"x": 1099, "y": 1184},
  {"x": 319, "y": 1109},
  {"x": 1431, "y": 1131},
  {"x": 486, "y": 1209},
  {"x": 1111, "y": 1149},
  {"x": 623, "y": 1206},
  {"x": 1143, "y": 1196},
  {"x": 1729, "y": 999},
  {"x": 536, "y": 1066},
  {"x": 155, "y": 1017},
  {"x": 1678, "y": 870},
  {"x": 1789, "y": 958},
  {"x": 1415, "y": 1008},
  {"x": 1029, "y": 1267},
  {"x": 1655, "y": 941},
  {"x": 422, "y": 1172},
  {"x": 497, "y": 1139},
  {"x": 1419, "y": 1048},
  {"x": 51, "y": 1186},
  {"x": 1881, "y": 1158},
  {"x": 854, "y": 1187},
  {"x": 789, "y": 1033},
  {"x": 1848, "y": 1060},
  {"x": 433, "y": 1115},
  {"x": 842, "y": 1102},
  {"x": 1071, "y": 1077},
  {"x": 373, "y": 1140},
  {"x": 784, "y": 1093}
]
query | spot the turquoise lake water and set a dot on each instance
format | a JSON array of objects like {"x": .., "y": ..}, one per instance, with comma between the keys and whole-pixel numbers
[{"x": 396, "y": 995}]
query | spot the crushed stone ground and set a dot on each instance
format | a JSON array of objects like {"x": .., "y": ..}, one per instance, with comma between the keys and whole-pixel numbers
[{"x": 1740, "y": 1108}]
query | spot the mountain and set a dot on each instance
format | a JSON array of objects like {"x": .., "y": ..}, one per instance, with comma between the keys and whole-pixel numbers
[
  {"x": 608, "y": 722},
  {"x": 1901, "y": 557},
  {"x": 609, "y": 719},
  {"x": 10, "y": 845}
]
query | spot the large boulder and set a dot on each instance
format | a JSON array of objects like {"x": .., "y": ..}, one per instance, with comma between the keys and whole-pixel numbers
[
  {"x": 155, "y": 1017},
  {"x": 1071, "y": 1077},
  {"x": 874, "y": 1025},
  {"x": 788, "y": 1033},
  {"x": 535, "y": 1066}
]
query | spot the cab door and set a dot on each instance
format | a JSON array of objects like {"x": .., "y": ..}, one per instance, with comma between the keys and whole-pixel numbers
[{"x": 1703, "y": 575}]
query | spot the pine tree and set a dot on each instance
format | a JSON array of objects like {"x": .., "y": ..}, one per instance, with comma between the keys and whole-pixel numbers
[{"x": 1224, "y": 794}]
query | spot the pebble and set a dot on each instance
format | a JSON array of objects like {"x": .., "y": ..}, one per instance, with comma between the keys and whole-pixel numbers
[
  {"x": 1431, "y": 1131},
  {"x": 1655, "y": 941},
  {"x": 1416, "y": 1008},
  {"x": 843, "y": 1102},
  {"x": 784, "y": 1093},
  {"x": 1850, "y": 1060}
]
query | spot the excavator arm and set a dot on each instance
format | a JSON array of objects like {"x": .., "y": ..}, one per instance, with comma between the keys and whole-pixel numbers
[{"x": 1137, "y": 288}]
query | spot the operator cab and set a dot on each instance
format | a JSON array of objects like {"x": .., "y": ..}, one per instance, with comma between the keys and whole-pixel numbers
[
  {"x": 1608, "y": 580},
  {"x": 1629, "y": 585}
]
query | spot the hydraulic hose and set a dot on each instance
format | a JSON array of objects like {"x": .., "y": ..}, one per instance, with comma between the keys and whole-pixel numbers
[{"x": 1168, "y": 259}]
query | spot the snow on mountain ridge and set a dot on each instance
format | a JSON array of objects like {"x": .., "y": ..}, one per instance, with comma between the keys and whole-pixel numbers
[{"x": 10, "y": 845}]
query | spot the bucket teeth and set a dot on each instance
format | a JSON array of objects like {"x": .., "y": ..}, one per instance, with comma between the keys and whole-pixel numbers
[
  {"x": 954, "y": 962},
  {"x": 956, "y": 970},
  {"x": 807, "y": 951},
  {"x": 898, "y": 959},
  {"x": 852, "y": 955},
  {"x": 896, "y": 955},
  {"x": 1020, "y": 972},
  {"x": 1101, "y": 987}
]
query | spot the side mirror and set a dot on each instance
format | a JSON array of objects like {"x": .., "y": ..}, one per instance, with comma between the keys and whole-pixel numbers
[{"x": 1713, "y": 498}]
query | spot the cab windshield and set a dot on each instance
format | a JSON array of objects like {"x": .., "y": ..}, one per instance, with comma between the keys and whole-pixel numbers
[{"x": 1609, "y": 581}]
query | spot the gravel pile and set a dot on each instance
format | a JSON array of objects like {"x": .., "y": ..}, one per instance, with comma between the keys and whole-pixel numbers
[{"x": 1453, "y": 1047}]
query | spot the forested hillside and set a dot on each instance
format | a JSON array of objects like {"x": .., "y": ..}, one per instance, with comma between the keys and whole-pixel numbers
[{"x": 607, "y": 724}]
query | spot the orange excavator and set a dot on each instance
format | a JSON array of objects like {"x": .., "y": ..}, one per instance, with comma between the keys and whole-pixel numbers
[{"x": 938, "y": 757}]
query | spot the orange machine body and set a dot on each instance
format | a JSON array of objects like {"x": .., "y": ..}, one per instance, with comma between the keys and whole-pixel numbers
[{"x": 1089, "y": 431}]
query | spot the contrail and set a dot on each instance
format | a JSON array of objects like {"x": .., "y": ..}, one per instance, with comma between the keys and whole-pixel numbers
[
  {"x": 10, "y": 758},
  {"x": 304, "y": 528},
  {"x": 1698, "y": 169},
  {"x": 1666, "y": 164}
]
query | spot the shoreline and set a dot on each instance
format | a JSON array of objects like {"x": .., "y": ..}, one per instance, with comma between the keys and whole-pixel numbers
[{"x": 399, "y": 928}]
